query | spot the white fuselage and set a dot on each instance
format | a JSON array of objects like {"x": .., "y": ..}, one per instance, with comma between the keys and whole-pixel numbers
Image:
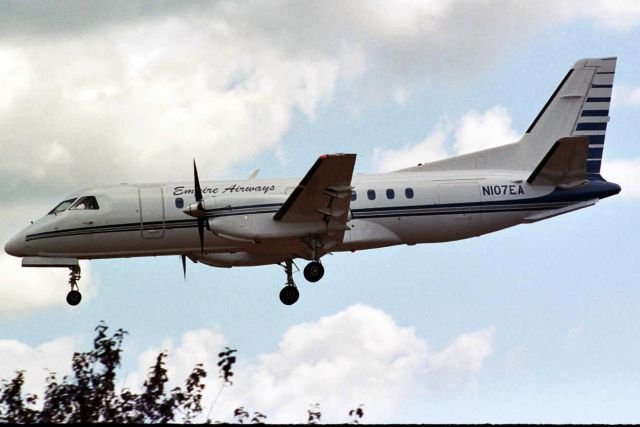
[{"x": 408, "y": 208}]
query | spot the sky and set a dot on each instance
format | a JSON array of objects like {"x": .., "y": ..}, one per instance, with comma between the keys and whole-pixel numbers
[{"x": 537, "y": 323}]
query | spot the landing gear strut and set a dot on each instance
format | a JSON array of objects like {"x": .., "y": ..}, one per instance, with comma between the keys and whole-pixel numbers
[
  {"x": 74, "y": 297},
  {"x": 289, "y": 294},
  {"x": 314, "y": 270}
]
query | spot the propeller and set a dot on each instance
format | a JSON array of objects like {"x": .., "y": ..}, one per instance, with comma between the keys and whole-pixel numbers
[
  {"x": 197, "y": 209},
  {"x": 184, "y": 266},
  {"x": 200, "y": 208}
]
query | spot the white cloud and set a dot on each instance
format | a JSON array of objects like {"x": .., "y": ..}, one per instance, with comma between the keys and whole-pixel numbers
[
  {"x": 478, "y": 131},
  {"x": 456, "y": 364},
  {"x": 197, "y": 346},
  {"x": 108, "y": 92},
  {"x": 618, "y": 14},
  {"x": 148, "y": 98},
  {"x": 429, "y": 150},
  {"x": 359, "y": 355},
  {"x": 625, "y": 95},
  {"x": 37, "y": 361},
  {"x": 472, "y": 132},
  {"x": 103, "y": 95},
  {"x": 626, "y": 173},
  {"x": 360, "y": 351},
  {"x": 24, "y": 291}
]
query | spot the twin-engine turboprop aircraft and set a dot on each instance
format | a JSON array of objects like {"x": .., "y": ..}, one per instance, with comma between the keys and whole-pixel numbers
[{"x": 554, "y": 169}]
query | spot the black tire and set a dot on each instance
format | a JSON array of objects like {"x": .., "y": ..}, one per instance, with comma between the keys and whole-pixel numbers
[
  {"x": 313, "y": 271},
  {"x": 74, "y": 298},
  {"x": 289, "y": 295}
]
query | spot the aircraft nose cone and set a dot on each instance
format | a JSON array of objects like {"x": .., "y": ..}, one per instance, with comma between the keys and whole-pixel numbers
[{"x": 15, "y": 246}]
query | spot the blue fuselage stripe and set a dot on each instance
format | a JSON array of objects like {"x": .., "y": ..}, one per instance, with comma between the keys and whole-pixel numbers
[{"x": 554, "y": 200}]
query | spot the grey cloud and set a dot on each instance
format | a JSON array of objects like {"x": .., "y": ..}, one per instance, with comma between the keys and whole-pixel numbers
[
  {"x": 28, "y": 18},
  {"x": 406, "y": 44},
  {"x": 98, "y": 91}
]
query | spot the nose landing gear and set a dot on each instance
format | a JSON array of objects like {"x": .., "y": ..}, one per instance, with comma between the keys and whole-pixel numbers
[
  {"x": 74, "y": 297},
  {"x": 289, "y": 294}
]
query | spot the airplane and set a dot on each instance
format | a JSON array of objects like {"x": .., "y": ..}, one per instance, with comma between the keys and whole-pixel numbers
[{"x": 552, "y": 170}]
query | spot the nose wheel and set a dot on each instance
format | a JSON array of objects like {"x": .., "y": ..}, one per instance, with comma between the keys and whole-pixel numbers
[{"x": 74, "y": 296}]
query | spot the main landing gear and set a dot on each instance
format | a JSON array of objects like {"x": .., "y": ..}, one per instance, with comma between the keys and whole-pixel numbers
[
  {"x": 312, "y": 272},
  {"x": 74, "y": 297}
]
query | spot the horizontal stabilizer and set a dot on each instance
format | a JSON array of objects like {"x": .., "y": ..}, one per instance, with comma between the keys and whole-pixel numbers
[
  {"x": 565, "y": 165},
  {"x": 555, "y": 212}
]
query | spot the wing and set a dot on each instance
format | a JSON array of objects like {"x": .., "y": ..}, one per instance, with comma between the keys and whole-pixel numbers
[{"x": 324, "y": 194}]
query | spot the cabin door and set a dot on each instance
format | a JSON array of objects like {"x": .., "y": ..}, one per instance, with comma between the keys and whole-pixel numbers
[{"x": 151, "y": 212}]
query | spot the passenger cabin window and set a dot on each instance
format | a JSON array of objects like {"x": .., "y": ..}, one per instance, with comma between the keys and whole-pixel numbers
[
  {"x": 408, "y": 192},
  {"x": 371, "y": 194},
  {"x": 390, "y": 193},
  {"x": 354, "y": 196},
  {"x": 61, "y": 207},
  {"x": 86, "y": 203},
  {"x": 179, "y": 202}
]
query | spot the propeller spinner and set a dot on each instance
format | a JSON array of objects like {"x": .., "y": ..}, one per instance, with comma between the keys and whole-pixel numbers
[{"x": 197, "y": 209}]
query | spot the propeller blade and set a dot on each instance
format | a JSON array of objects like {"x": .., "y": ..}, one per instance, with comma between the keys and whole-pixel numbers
[
  {"x": 202, "y": 221},
  {"x": 197, "y": 182},
  {"x": 184, "y": 266},
  {"x": 201, "y": 233}
]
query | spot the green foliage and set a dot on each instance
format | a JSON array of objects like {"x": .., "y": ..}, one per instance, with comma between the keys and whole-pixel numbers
[
  {"x": 16, "y": 408},
  {"x": 88, "y": 394},
  {"x": 356, "y": 414},
  {"x": 226, "y": 364}
]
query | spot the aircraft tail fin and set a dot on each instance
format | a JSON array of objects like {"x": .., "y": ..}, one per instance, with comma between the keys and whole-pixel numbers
[{"x": 579, "y": 107}]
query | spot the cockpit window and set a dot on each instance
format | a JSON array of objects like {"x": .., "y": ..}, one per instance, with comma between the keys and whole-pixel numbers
[
  {"x": 61, "y": 207},
  {"x": 86, "y": 202}
]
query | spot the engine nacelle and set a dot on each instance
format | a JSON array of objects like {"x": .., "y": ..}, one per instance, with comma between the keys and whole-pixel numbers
[
  {"x": 252, "y": 219},
  {"x": 239, "y": 259},
  {"x": 261, "y": 226}
]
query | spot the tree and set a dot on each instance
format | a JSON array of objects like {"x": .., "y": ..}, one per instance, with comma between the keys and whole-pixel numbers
[
  {"x": 15, "y": 407},
  {"x": 356, "y": 414},
  {"x": 313, "y": 414},
  {"x": 89, "y": 395}
]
